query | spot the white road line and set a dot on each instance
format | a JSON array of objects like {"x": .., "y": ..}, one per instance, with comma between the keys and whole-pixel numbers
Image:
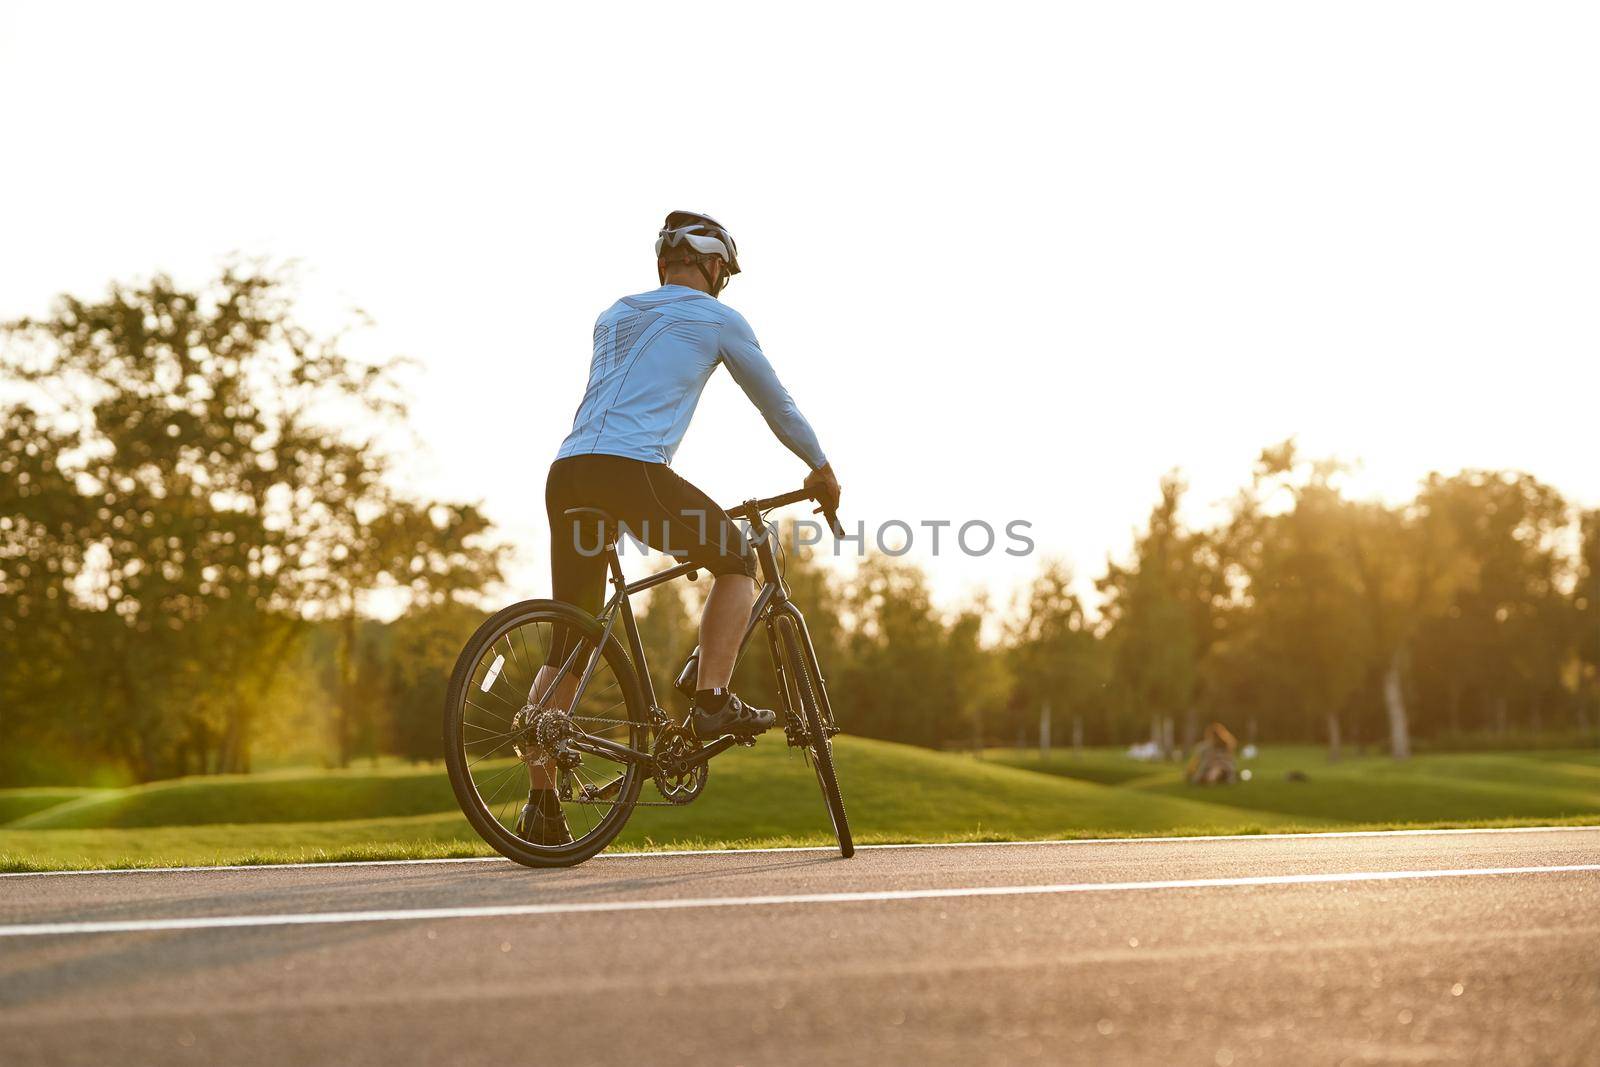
[
  {"x": 213, "y": 922},
  {"x": 820, "y": 848}
]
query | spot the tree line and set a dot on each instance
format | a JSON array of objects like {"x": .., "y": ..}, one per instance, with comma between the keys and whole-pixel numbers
[
  {"x": 1462, "y": 615},
  {"x": 191, "y": 484},
  {"x": 198, "y": 509},
  {"x": 1467, "y": 616}
]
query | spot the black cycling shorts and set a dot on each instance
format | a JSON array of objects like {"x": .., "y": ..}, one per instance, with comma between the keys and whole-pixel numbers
[{"x": 653, "y": 504}]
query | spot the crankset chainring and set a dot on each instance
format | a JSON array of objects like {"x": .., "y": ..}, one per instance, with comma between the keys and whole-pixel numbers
[{"x": 676, "y": 782}]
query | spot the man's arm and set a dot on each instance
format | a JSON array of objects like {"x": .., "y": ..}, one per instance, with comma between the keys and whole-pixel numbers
[{"x": 750, "y": 368}]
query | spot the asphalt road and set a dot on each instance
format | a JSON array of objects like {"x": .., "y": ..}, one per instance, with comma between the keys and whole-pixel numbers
[{"x": 1273, "y": 950}]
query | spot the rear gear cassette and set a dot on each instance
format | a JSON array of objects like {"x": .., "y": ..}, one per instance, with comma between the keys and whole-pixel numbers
[
  {"x": 543, "y": 736},
  {"x": 677, "y": 782}
]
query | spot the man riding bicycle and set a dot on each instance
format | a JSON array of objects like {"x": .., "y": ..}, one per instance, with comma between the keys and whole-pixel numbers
[{"x": 653, "y": 354}]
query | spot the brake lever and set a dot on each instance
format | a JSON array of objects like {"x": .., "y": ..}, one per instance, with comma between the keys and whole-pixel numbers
[{"x": 833, "y": 521}]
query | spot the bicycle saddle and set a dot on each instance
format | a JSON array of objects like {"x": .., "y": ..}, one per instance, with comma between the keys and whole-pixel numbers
[{"x": 609, "y": 527}]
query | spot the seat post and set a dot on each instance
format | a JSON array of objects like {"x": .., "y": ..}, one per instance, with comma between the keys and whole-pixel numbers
[{"x": 614, "y": 562}]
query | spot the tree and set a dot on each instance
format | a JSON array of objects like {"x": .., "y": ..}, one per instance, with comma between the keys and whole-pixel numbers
[
  {"x": 668, "y": 633},
  {"x": 369, "y": 539},
  {"x": 420, "y": 652},
  {"x": 900, "y": 679},
  {"x": 1159, "y": 612},
  {"x": 185, "y": 481},
  {"x": 1056, "y": 658},
  {"x": 1304, "y": 623},
  {"x": 1586, "y": 616},
  {"x": 979, "y": 677},
  {"x": 1509, "y": 629},
  {"x": 1406, "y": 567}
]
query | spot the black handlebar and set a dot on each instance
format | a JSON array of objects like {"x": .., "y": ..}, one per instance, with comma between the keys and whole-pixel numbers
[
  {"x": 750, "y": 508},
  {"x": 781, "y": 500}
]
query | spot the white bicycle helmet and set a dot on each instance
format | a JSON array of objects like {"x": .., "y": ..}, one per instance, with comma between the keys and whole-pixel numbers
[{"x": 705, "y": 237}]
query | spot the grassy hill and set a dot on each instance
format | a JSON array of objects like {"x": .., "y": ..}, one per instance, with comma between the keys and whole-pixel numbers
[
  {"x": 281, "y": 796},
  {"x": 19, "y": 803},
  {"x": 1372, "y": 789},
  {"x": 765, "y": 795}
]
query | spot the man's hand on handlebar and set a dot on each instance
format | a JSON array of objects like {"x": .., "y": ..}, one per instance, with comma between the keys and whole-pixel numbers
[{"x": 824, "y": 487}]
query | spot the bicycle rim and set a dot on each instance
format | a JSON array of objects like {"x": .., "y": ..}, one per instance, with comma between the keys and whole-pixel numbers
[
  {"x": 802, "y": 687},
  {"x": 491, "y": 685}
]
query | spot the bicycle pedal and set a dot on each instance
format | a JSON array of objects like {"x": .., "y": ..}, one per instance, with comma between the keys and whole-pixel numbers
[{"x": 747, "y": 742}]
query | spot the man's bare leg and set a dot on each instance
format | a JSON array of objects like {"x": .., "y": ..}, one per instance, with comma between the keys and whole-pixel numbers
[
  {"x": 722, "y": 624},
  {"x": 716, "y": 709},
  {"x": 560, "y": 700}
]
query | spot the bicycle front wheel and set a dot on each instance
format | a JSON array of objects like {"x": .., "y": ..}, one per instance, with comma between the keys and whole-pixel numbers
[
  {"x": 801, "y": 684},
  {"x": 486, "y": 742}
]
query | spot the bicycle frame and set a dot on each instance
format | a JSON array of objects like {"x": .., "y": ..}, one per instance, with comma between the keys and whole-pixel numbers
[{"x": 772, "y": 600}]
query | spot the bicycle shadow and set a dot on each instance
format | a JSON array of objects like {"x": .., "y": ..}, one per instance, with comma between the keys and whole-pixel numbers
[{"x": 583, "y": 883}]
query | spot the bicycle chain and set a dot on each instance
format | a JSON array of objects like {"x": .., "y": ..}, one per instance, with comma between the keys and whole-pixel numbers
[{"x": 613, "y": 803}]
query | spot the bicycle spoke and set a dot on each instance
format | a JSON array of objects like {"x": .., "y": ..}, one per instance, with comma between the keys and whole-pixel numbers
[
  {"x": 509, "y": 662},
  {"x": 511, "y": 644},
  {"x": 489, "y": 753},
  {"x": 530, "y": 667},
  {"x": 489, "y": 711},
  {"x": 490, "y": 692},
  {"x": 492, "y": 733},
  {"x": 503, "y": 779},
  {"x": 597, "y": 786}
]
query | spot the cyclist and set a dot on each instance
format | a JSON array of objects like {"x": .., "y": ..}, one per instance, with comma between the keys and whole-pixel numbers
[{"x": 653, "y": 354}]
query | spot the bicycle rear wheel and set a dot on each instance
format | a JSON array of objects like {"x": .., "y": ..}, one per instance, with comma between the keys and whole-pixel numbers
[
  {"x": 802, "y": 687},
  {"x": 489, "y": 689}
]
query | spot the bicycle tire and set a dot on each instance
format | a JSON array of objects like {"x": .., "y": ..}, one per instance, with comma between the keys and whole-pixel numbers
[
  {"x": 819, "y": 745},
  {"x": 487, "y": 826}
]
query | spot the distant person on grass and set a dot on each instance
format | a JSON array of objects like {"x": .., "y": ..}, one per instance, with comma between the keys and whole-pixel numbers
[
  {"x": 1213, "y": 760},
  {"x": 653, "y": 354}
]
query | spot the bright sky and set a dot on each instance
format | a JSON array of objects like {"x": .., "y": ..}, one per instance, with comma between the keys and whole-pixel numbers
[{"x": 1013, "y": 260}]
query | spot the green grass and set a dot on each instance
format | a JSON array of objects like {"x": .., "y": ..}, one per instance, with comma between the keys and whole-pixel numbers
[
  {"x": 768, "y": 797},
  {"x": 1100, "y": 765},
  {"x": 1529, "y": 786},
  {"x": 277, "y": 797},
  {"x": 21, "y": 803}
]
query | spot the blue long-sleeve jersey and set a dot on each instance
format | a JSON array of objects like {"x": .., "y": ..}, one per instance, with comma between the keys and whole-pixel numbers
[{"x": 653, "y": 354}]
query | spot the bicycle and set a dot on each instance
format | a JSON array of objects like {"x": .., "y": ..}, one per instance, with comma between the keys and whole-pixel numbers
[{"x": 615, "y": 734}]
